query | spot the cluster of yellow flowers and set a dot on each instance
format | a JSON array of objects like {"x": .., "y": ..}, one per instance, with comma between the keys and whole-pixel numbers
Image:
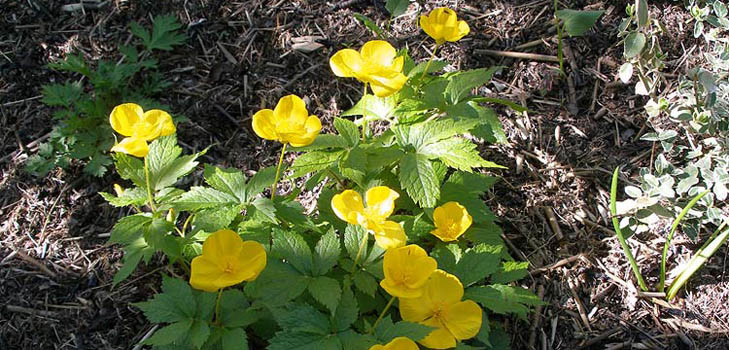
[{"x": 427, "y": 295}]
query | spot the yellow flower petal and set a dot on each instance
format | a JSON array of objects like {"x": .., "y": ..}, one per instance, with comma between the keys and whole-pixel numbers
[
  {"x": 399, "y": 343},
  {"x": 406, "y": 270},
  {"x": 290, "y": 113},
  {"x": 390, "y": 236},
  {"x": 348, "y": 206},
  {"x": 132, "y": 146},
  {"x": 312, "y": 128},
  {"x": 451, "y": 221},
  {"x": 463, "y": 319},
  {"x": 264, "y": 125},
  {"x": 222, "y": 243},
  {"x": 442, "y": 25},
  {"x": 124, "y": 117},
  {"x": 397, "y": 64},
  {"x": 161, "y": 122},
  {"x": 381, "y": 200},
  {"x": 439, "y": 339},
  {"x": 463, "y": 30},
  {"x": 378, "y": 52},
  {"x": 441, "y": 288},
  {"x": 346, "y": 63},
  {"x": 206, "y": 273},
  {"x": 385, "y": 82},
  {"x": 251, "y": 261}
]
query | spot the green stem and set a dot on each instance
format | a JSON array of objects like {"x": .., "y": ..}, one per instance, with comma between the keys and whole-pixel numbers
[
  {"x": 150, "y": 199},
  {"x": 337, "y": 178},
  {"x": 217, "y": 306},
  {"x": 680, "y": 216},
  {"x": 619, "y": 233},
  {"x": 560, "y": 55},
  {"x": 278, "y": 171},
  {"x": 430, "y": 60},
  {"x": 359, "y": 252},
  {"x": 364, "y": 115},
  {"x": 382, "y": 314}
]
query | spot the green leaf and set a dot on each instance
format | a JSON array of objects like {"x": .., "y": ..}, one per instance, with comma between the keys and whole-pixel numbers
[
  {"x": 172, "y": 334},
  {"x": 134, "y": 252},
  {"x": 365, "y": 282},
  {"x": 303, "y": 341},
  {"x": 314, "y": 161},
  {"x": 165, "y": 164},
  {"x": 305, "y": 318},
  {"x": 467, "y": 189},
  {"x": 324, "y": 141},
  {"x": 370, "y": 24},
  {"x": 425, "y": 133},
  {"x": 353, "y": 236},
  {"x": 478, "y": 263},
  {"x": 461, "y": 83},
  {"x": 235, "y": 310},
  {"x": 263, "y": 209},
  {"x": 213, "y": 219},
  {"x": 326, "y": 253},
  {"x": 510, "y": 271},
  {"x": 326, "y": 290},
  {"x": 199, "y": 333},
  {"x": 353, "y": 340},
  {"x": 347, "y": 312},
  {"x": 457, "y": 153},
  {"x": 348, "y": 130},
  {"x": 490, "y": 128},
  {"x": 234, "y": 339},
  {"x": 633, "y": 45},
  {"x": 278, "y": 284},
  {"x": 164, "y": 35},
  {"x": 576, "y": 23},
  {"x": 130, "y": 168},
  {"x": 129, "y": 228},
  {"x": 503, "y": 299},
  {"x": 175, "y": 303},
  {"x": 397, "y": 7},
  {"x": 230, "y": 181},
  {"x": 386, "y": 330},
  {"x": 203, "y": 197},
  {"x": 354, "y": 165},
  {"x": 435, "y": 66},
  {"x": 642, "y": 12},
  {"x": 260, "y": 181},
  {"x": 373, "y": 108},
  {"x": 418, "y": 178},
  {"x": 132, "y": 196},
  {"x": 64, "y": 95},
  {"x": 291, "y": 247}
]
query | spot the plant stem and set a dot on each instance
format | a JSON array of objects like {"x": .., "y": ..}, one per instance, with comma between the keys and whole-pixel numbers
[
  {"x": 621, "y": 238},
  {"x": 382, "y": 314},
  {"x": 560, "y": 55},
  {"x": 359, "y": 252},
  {"x": 278, "y": 171},
  {"x": 364, "y": 115},
  {"x": 430, "y": 60},
  {"x": 662, "y": 278},
  {"x": 150, "y": 199},
  {"x": 337, "y": 178},
  {"x": 217, "y": 306}
]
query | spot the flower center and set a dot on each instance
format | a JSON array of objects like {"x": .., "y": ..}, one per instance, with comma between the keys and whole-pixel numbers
[{"x": 229, "y": 268}]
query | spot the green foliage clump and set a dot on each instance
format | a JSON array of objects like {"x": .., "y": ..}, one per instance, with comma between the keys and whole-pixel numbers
[{"x": 82, "y": 131}]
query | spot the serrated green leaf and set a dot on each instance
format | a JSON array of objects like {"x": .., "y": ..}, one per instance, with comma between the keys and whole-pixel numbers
[
  {"x": 324, "y": 141},
  {"x": 203, "y": 197},
  {"x": 326, "y": 253},
  {"x": 353, "y": 340},
  {"x": 61, "y": 94},
  {"x": 129, "y": 228},
  {"x": 261, "y": 180},
  {"x": 131, "y": 196},
  {"x": 373, "y": 108},
  {"x": 303, "y": 341},
  {"x": 234, "y": 339},
  {"x": 510, "y": 271},
  {"x": 460, "y": 84},
  {"x": 314, "y": 161},
  {"x": 353, "y": 236},
  {"x": 467, "y": 189},
  {"x": 503, "y": 299},
  {"x": 134, "y": 252},
  {"x": 576, "y": 23},
  {"x": 130, "y": 168},
  {"x": 422, "y": 134},
  {"x": 164, "y": 34},
  {"x": 457, "y": 153},
  {"x": 171, "y": 334},
  {"x": 347, "y": 312},
  {"x": 213, "y": 219},
  {"x": 291, "y": 247},
  {"x": 278, "y": 284},
  {"x": 365, "y": 283},
  {"x": 230, "y": 181},
  {"x": 386, "y": 330},
  {"x": 262, "y": 209},
  {"x": 354, "y": 165},
  {"x": 397, "y": 7},
  {"x": 199, "y": 333},
  {"x": 175, "y": 303},
  {"x": 165, "y": 164},
  {"x": 348, "y": 130},
  {"x": 435, "y": 66},
  {"x": 305, "y": 318},
  {"x": 235, "y": 310},
  {"x": 327, "y": 291},
  {"x": 418, "y": 178},
  {"x": 478, "y": 263}
]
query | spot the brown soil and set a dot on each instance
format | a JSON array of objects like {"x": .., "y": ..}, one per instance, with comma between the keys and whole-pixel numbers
[{"x": 55, "y": 266}]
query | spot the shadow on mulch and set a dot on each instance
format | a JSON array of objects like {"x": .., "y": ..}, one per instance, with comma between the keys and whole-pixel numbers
[{"x": 56, "y": 269}]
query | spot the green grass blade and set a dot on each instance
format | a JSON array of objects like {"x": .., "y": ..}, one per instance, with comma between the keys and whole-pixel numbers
[
  {"x": 621, "y": 237},
  {"x": 670, "y": 236},
  {"x": 707, "y": 250}
]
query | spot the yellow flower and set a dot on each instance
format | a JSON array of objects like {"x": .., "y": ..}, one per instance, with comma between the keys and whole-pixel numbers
[
  {"x": 440, "y": 306},
  {"x": 399, "y": 343},
  {"x": 139, "y": 127},
  {"x": 406, "y": 270},
  {"x": 288, "y": 123},
  {"x": 451, "y": 221},
  {"x": 349, "y": 207},
  {"x": 226, "y": 260},
  {"x": 442, "y": 24},
  {"x": 374, "y": 64}
]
